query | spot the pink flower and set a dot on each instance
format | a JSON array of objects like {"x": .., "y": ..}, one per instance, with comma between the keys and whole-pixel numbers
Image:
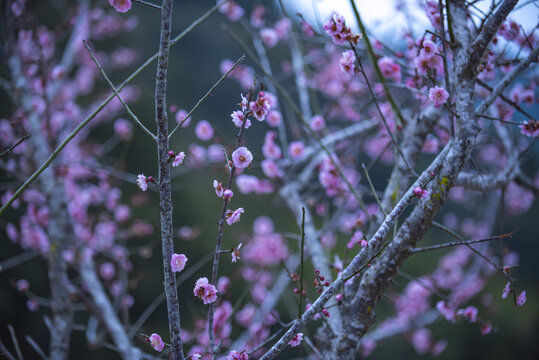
[
  {"x": 233, "y": 216},
  {"x": 142, "y": 182},
  {"x": 506, "y": 290},
  {"x": 438, "y": 95},
  {"x": 204, "y": 130},
  {"x": 205, "y": 291},
  {"x": 269, "y": 37},
  {"x": 429, "y": 49},
  {"x": 178, "y": 159},
  {"x": 23, "y": 285},
  {"x": 236, "y": 253},
  {"x": 242, "y": 157},
  {"x": 234, "y": 355},
  {"x": 530, "y": 128},
  {"x": 282, "y": 28},
  {"x": 107, "y": 271},
  {"x": 271, "y": 169},
  {"x": 336, "y": 28},
  {"x": 296, "y": 340},
  {"x": 177, "y": 262},
  {"x": 390, "y": 69},
  {"x": 447, "y": 312},
  {"x": 237, "y": 119},
  {"x": 485, "y": 329},
  {"x": 521, "y": 299},
  {"x": 219, "y": 189},
  {"x": 296, "y": 149},
  {"x": 317, "y": 123},
  {"x": 232, "y": 10},
  {"x": 270, "y": 148},
  {"x": 347, "y": 62},
  {"x": 470, "y": 313},
  {"x": 123, "y": 129},
  {"x": 180, "y": 117},
  {"x": 121, "y": 6},
  {"x": 156, "y": 342},
  {"x": 261, "y": 106},
  {"x": 227, "y": 194},
  {"x": 274, "y": 118},
  {"x": 420, "y": 193}
]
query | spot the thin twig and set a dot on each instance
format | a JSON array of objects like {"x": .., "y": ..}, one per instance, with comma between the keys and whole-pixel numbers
[
  {"x": 220, "y": 228},
  {"x": 15, "y": 341},
  {"x": 149, "y": 4},
  {"x": 5, "y": 351},
  {"x": 10, "y": 149},
  {"x": 208, "y": 93},
  {"x": 373, "y": 189},
  {"x": 458, "y": 243},
  {"x": 133, "y": 116},
  {"x": 17, "y": 259},
  {"x": 35, "y": 346}
]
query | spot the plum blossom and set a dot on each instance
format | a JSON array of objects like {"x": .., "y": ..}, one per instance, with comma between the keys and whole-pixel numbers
[
  {"x": 270, "y": 149},
  {"x": 181, "y": 118},
  {"x": 447, "y": 312},
  {"x": 123, "y": 129},
  {"x": 296, "y": 340},
  {"x": 178, "y": 159},
  {"x": 238, "y": 118},
  {"x": 506, "y": 290},
  {"x": 261, "y": 106},
  {"x": 438, "y": 95},
  {"x": 470, "y": 313},
  {"x": 205, "y": 291},
  {"x": 521, "y": 299},
  {"x": 227, "y": 194},
  {"x": 236, "y": 253},
  {"x": 177, "y": 262},
  {"x": 347, "y": 62},
  {"x": 142, "y": 181},
  {"x": 317, "y": 123},
  {"x": 433, "y": 13},
  {"x": 22, "y": 285},
  {"x": 296, "y": 149},
  {"x": 242, "y": 157},
  {"x": 429, "y": 49},
  {"x": 336, "y": 28},
  {"x": 156, "y": 342},
  {"x": 269, "y": 36},
  {"x": 420, "y": 193},
  {"x": 204, "y": 130},
  {"x": 232, "y": 10},
  {"x": 530, "y": 128},
  {"x": 121, "y": 6},
  {"x": 219, "y": 189},
  {"x": 390, "y": 69},
  {"x": 233, "y": 216},
  {"x": 271, "y": 169},
  {"x": 274, "y": 118},
  {"x": 235, "y": 355},
  {"x": 485, "y": 328}
]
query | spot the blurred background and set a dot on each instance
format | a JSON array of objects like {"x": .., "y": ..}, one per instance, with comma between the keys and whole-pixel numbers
[{"x": 194, "y": 68}]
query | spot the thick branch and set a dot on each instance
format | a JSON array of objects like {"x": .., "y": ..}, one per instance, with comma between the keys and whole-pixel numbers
[{"x": 165, "y": 193}]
